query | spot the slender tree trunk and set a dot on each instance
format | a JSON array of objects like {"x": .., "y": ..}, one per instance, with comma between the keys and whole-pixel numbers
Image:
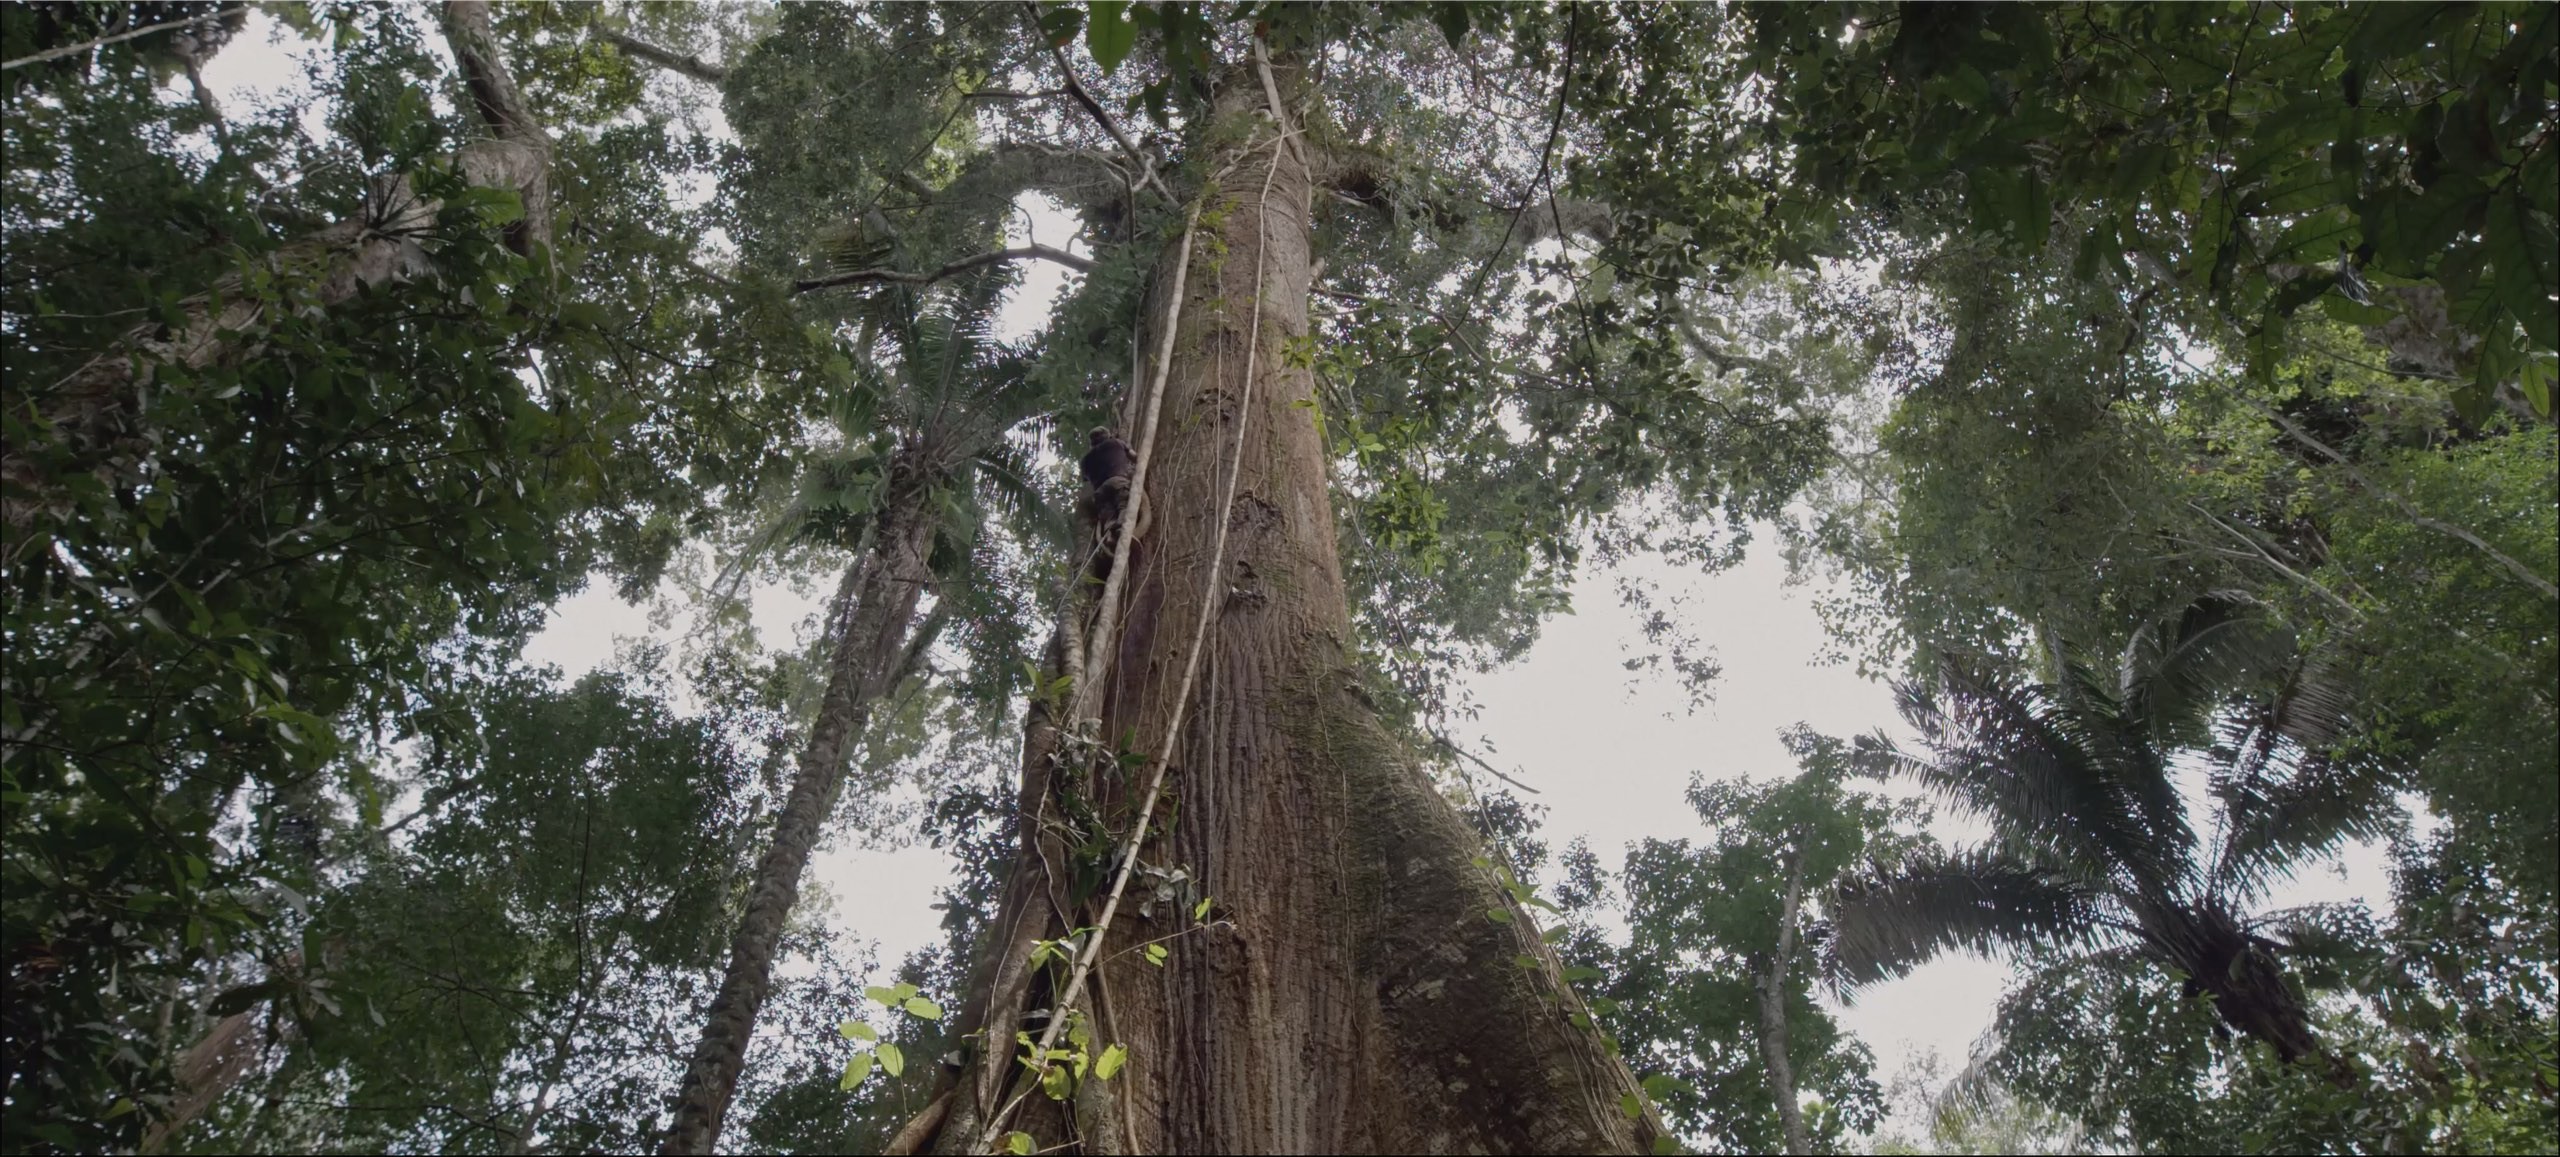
[
  {"x": 873, "y": 615},
  {"x": 1362, "y": 985},
  {"x": 1773, "y": 1012},
  {"x": 97, "y": 419}
]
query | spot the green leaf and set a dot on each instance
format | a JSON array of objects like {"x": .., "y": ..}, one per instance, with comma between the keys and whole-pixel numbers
[
  {"x": 1058, "y": 1083},
  {"x": 1156, "y": 954},
  {"x": 1200, "y": 911},
  {"x": 2347, "y": 312},
  {"x": 1665, "y": 1143},
  {"x": 496, "y": 206},
  {"x": 1579, "y": 973},
  {"x": 856, "y": 1030},
  {"x": 2535, "y": 381},
  {"x": 855, "y": 1071},
  {"x": 1452, "y": 19},
  {"x": 922, "y": 1009},
  {"x": 883, "y": 996},
  {"x": 1060, "y": 22},
  {"x": 1499, "y": 915},
  {"x": 892, "y": 1059},
  {"x": 2524, "y": 245},
  {"x": 1108, "y": 34},
  {"x": 1018, "y": 1142},
  {"x": 1632, "y": 1105},
  {"x": 1108, "y": 1064}
]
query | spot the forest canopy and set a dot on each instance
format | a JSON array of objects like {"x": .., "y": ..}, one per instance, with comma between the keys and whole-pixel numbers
[{"x": 2158, "y": 400}]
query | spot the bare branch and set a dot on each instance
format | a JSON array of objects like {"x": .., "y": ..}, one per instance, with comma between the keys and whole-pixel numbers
[
  {"x": 129, "y": 34},
  {"x": 666, "y": 58},
  {"x": 965, "y": 264},
  {"x": 1014, "y": 94},
  {"x": 1446, "y": 744}
]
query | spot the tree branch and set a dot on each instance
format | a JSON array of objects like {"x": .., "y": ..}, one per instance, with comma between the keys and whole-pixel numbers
[
  {"x": 1013, "y": 94},
  {"x": 666, "y": 58},
  {"x": 1446, "y": 744},
  {"x": 1075, "y": 88},
  {"x": 118, "y": 38},
  {"x": 2410, "y": 510},
  {"x": 965, "y": 264},
  {"x": 520, "y": 156},
  {"x": 1546, "y": 156}
]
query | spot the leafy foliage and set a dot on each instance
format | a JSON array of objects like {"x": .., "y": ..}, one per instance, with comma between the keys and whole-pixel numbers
[
  {"x": 2245, "y": 158},
  {"x": 1704, "y": 927}
]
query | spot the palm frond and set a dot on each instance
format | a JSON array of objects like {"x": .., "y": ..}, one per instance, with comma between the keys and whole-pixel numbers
[
  {"x": 2177, "y": 670},
  {"x": 1884, "y": 924},
  {"x": 1006, "y": 474},
  {"x": 2288, "y": 782},
  {"x": 2324, "y": 945},
  {"x": 2051, "y": 772},
  {"x": 2277, "y": 821}
]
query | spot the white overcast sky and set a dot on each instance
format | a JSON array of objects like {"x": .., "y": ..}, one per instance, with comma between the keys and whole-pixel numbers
[{"x": 1611, "y": 761}]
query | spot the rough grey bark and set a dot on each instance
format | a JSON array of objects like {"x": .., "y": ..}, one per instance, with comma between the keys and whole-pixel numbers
[
  {"x": 1772, "y": 984},
  {"x": 869, "y": 625},
  {"x": 1360, "y": 987}
]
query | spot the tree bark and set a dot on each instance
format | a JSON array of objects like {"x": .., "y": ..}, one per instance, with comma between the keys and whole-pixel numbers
[
  {"x": 98, "y": 418},
  {"x": 1772, "y": 984},
  {"x": 1362, "y": 986},
  {"x": 873, "y": 615}
]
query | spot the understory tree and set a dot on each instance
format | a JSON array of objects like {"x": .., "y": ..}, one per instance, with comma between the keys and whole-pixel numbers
[{"x": 1714, "y": 992}]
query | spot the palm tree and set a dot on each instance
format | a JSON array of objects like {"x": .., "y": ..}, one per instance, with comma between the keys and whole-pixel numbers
[
  {"x": 2091, "y": 847},
  {"x": 925, "y": 457}
]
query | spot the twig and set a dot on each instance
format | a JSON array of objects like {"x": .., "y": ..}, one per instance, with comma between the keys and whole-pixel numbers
[
  {"x": 1093, "y": 108},
  {"x": 965, "y": 264},
  {"x": 1471, "y": 757},
  {"x": 103, "y": 41},
  {"x": 1555, "y": 128},
  {"x": 1013, "y": 94}
]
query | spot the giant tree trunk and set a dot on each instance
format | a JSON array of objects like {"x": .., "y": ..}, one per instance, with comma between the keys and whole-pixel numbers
[
  {"x": 1362, "y": 985},
  {"x": 867, "y": 634}
]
